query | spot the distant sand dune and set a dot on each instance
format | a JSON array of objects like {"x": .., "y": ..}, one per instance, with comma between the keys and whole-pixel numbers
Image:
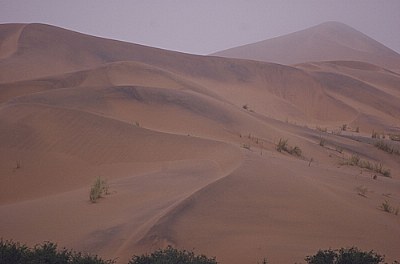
[{"x": 325, "y": 42}]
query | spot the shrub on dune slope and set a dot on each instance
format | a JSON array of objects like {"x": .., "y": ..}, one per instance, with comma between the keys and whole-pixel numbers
[
  {"x": 46, "y": 253},
  {"x": 172, "y": 256}
]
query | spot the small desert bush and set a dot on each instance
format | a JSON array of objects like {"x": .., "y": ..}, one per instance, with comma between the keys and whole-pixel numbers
[
  {"x": 98, "y": 190},
  {"x": 172, "y": 256},
  {"x": 322, "y": 142},
  {"x": 385, "y": 206},
  {"x": 246, "y": 146},
  {"x": 283, "y": 146},
  {"x": 352, "y": 161},
  {"x": 295, "y": 151},
  {"x": 322, "y": 129},
  {"x": 345, "y": 256},
  {"x": 47, "y": 253}
]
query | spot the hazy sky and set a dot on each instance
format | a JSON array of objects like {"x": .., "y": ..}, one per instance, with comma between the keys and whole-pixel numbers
[{"x": 206, "y": 26}]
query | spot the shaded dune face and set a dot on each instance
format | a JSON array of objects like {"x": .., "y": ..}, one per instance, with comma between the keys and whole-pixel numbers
[{"x": 188, "y": 144}]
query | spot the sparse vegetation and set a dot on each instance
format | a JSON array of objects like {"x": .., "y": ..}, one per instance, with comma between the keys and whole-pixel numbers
[
  {"x": 378, "y": 135},
  {"x": 295, "y": 151},
  {"x": 345, "y": 256},
  {"x": 171, "y": 255},
  {"x": 344, "y": 127},
  {"x": 355, "y": 160},
  {"x": 245, "y": 106},
  {"x": 385, "y": 206},
  {"x": 382, "y": 145},
  {"x": 283, "y": 146},
  {"x": 322, "y": 129},
  {"x": 98, "y": 190},
  {"x": 246, "y": 146}
]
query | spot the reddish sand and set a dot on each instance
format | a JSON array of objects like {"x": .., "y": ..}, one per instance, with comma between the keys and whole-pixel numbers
[{"x": 187, "y": 145}]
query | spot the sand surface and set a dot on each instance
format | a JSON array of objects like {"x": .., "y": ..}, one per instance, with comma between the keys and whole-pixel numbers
[{"x": 187, "y": 145}]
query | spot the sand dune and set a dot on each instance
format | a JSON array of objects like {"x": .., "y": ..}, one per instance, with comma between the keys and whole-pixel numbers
[
  {"x": 325, "y": 42},
  {"x": 187, "y": 144}
]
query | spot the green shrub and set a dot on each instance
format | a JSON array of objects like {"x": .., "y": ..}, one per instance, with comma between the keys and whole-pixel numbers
[
  {"x": 345, "y": 256},
  {"x": 13, "y": 252},
  {"x": 98, "y": 190},
  {"x": 172, "y": 256},
  {"x": 47, "y": 253}
]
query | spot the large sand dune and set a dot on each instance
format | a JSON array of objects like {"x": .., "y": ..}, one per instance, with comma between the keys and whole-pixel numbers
[
  {"x": 187, "y": 144},
  {"x": 324, "y": 42}
]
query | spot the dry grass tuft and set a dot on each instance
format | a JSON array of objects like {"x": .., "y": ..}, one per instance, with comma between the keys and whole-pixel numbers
[
  {"x": 355, "y": 160},
  {"x": 98, "y": 190}
]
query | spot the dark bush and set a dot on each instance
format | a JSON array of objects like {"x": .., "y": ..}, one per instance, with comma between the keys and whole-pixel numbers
[
  {"x": 345, "y": 256},
  {"x": 46, "y": 253},
  {"x": 172, "y": 256}
]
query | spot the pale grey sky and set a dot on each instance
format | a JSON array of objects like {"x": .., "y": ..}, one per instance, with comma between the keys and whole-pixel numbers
[{"x": 206, "y": 26}]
